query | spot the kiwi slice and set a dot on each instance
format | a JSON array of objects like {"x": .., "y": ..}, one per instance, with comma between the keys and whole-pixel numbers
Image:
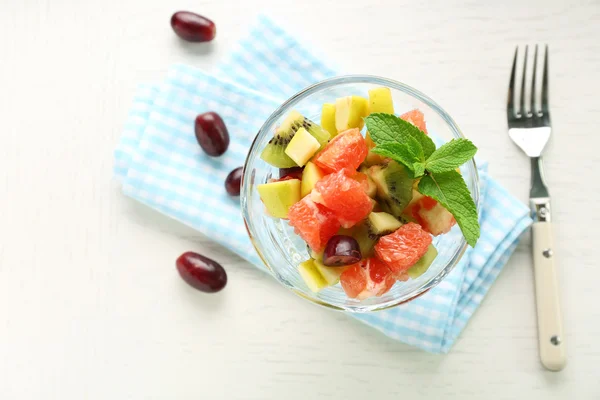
[
  {"x": 381, "y": 224},
  {"x": 392, "y": 207},
  {"x": 295, "y": 121},
  {"x": 360, "y": 232},
  {"x": 274, "y": 151},
  {"x": 370, "y": 230},
  {"x": 394, "y": 186},
  {"x": 424, "y": 263}
]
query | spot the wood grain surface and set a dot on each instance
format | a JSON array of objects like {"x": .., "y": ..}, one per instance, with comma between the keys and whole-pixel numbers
[{"x": 91, "y": 306}]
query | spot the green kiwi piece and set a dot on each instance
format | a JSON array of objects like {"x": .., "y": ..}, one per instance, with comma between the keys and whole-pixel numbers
[
  {"x": 274, "y": 151},
  {"x": 381, "y": 224},
  {"x": 423, "y": 264},
  {"x": 366, "y": 241},
  {"x": 295, "y": 121},
  {"x": 394, "y": 186},
  {"x": 370, "y": 230}
]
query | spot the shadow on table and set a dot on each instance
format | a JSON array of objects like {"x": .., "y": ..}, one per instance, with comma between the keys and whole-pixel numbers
[{"x": 196, "y": 49}]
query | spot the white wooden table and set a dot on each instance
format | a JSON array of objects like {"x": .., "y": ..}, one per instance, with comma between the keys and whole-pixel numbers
[{"x": 91, "y": 306}]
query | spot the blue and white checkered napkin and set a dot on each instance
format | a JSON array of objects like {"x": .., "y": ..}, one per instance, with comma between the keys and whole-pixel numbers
[{"x": 160, "y": 164}]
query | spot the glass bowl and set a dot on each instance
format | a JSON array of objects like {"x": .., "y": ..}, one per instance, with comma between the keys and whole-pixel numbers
[{"x": 282, "y": 250}]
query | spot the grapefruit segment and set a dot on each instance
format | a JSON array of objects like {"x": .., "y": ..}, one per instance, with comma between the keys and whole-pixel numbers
[
  {"x": 344, "y": 196},
  {"x": 380, "y": 276},
  {"x": 371, "y": 277},
  {"x": 353, "y": 280},
  {"x": 367, "y": 183},
  {"x": 436, "y": 220},
  {"x": 430, "y": 214},
  {"x": 346, "y": 151},
  {"x": 313, "y": 222},
  {"x": 403, "y": 248},
  {"x": 416, "y": 118}
]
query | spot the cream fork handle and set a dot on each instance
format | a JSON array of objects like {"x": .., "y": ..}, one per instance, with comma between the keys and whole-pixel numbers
[{"x": 550, "y": 328}]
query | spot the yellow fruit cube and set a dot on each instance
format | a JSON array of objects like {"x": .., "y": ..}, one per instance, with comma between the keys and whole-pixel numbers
[
  {"x": 302, "y": 147},
  {"x": 349, "y": 112},
  {"x": 380, "y": 101},
  {"x": 310, "y": 176},
  {"x": 328, "y": 119}
]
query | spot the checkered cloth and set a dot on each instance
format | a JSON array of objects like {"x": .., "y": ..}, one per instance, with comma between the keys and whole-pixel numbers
[{"x": 160, "y": 164}]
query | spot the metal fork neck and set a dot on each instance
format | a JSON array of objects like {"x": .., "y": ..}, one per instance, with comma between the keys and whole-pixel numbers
[
  {"x": 538, "y": 183},
  {"x": 539, "y": 196}
]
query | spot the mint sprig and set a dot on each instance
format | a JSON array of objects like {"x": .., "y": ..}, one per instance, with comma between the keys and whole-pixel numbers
[
  {"x": 408, "y": 145},
  {"x": 403, "y": 154},
  {"x": 451, "y": 155},
  {"x": 451, "y": 191},
  {"x": 386, "y": 128}
]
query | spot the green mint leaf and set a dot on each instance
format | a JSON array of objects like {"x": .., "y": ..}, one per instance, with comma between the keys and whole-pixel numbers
[
  {"x": 451, "y": 156},
  {"x": 386, "y": 128},
  {"x": 418, "y": 169},
  {"x": 425, "y": 141},
  {"x": 382, "y": 128},
  {"x": 403, "y": 154},
  {"x": 415, "y": 147},
  {"x": 451, "y": 191},
  {"x": 400, "y": 152}
]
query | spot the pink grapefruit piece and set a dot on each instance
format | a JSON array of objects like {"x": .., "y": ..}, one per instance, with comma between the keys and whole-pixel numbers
[
  {"x": 344, "y": 196},
  {"x": 371, "y": 277},
  {"x": 401, "y": 249},
  {"x": 416, "y": 118},
  {"x": 313, "y": 222},
  {"x": 346, "y": 151}
]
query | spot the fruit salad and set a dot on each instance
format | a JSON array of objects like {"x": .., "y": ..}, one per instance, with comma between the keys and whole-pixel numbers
[{"x": 367, "y": 191}]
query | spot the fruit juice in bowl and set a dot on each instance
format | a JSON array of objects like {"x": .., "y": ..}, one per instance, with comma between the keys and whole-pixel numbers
[{"x": 352, "y": 191}]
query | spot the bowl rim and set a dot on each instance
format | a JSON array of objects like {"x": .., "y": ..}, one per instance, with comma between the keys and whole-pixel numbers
[{"x": 354, "y": 79}]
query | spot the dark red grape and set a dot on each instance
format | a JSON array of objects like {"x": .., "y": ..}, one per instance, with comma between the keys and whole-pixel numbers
[
  {"x": 294, "y": 172},
  {"x": 193, "y": 27},
  {"x": 201, "y": 272},
  {"x": 341, "y": 250},
  {"x": 234, "y": 181},
  {"x": 211, "y": 133}
]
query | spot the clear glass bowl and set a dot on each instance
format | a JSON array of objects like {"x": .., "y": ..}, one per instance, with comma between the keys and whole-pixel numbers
[{"x": 282, "y": 250}]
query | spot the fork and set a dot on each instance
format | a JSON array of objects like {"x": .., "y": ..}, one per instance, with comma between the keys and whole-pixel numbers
[{"x": 530, "y": 130}]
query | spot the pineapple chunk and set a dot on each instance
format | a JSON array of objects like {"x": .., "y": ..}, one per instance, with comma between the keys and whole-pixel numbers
[
  {"x": 380, "y": 101},
  {"x": 279, "y": 196},
  {"x": 349, "y": 112},
  {"x": 310, "y": 176},
  {"x": 328, "y": 119},
  {"x": 311, "y": 275},
  {"x": 302, "y": 147}
]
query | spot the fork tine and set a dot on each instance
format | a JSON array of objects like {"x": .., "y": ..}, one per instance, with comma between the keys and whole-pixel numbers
[
  {"x": 522, "y": 112},
  {"x": 545, "y": 84},
  {"x": 510, "y": 106},
  {"x": 532, "y": 109}
]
